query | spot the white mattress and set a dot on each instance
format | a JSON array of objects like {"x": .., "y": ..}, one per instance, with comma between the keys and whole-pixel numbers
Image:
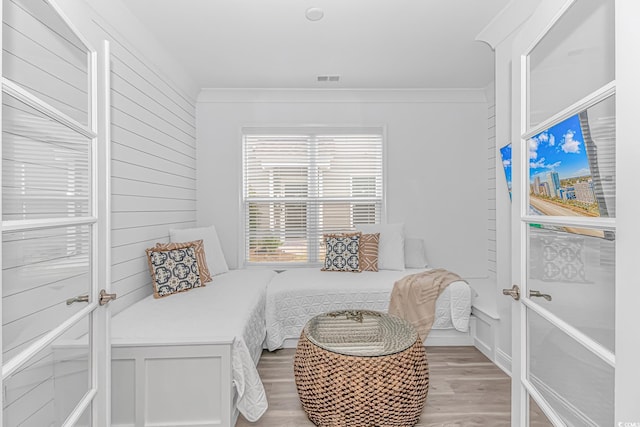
[
  {"x": 295, "y": 296},
  {"x": 230, "y": 306}
]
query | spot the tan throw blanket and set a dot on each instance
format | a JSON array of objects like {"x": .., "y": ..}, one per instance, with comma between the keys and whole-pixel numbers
[{"x": 414, "y": 297}]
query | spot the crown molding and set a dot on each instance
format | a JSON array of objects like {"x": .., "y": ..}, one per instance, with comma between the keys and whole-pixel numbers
[
  {"x": 213, "y": 95},
  {"x": 508, "y": 20}
]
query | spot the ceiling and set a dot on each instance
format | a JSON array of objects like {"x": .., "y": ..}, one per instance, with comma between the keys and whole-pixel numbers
[{"x": 368, "y": 43}]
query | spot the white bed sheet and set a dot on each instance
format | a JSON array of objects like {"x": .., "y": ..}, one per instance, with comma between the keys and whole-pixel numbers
[
  {"x": 295, "y": 296},
  {"x": 230, "y": 306}
]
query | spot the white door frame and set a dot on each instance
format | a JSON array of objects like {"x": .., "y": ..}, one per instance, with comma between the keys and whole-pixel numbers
[
  {"x": 548, "y": 12},
  {"x": 102, "y": 330},
  {"x": 627, "y": 381}
]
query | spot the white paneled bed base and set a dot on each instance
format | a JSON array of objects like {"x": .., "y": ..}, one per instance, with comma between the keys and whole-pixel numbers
[
  {"x": 190, "y": 359},
  {"x": 163, "y": 385}
]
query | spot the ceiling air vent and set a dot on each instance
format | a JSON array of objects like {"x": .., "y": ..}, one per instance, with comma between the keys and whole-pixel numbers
[{"x": 329, "y": 78}]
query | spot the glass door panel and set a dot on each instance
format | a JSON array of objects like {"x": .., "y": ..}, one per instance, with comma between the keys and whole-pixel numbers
[
  {"x": 575, "y": 276},
  {"x": 41, "y": 269},
  {"x": 46, "y": 388},
  {"x": 572, "y": 165},
  {"x": 574, "y": 381},
  {"x": 43, "y": 55},
  {"x": 46, "y": 165},
  {"x": 574, "y": 59}
]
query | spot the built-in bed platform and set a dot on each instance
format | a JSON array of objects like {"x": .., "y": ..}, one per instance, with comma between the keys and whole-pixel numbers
[
  {"x": 295, "y": 296},
  {"x": 190, "y": 359}
]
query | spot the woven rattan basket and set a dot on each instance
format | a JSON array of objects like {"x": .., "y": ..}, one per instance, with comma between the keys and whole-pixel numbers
[{"x": 356, "y": 391}]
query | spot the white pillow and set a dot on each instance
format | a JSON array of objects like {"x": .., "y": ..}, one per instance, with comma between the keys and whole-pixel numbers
[
  {"x": 391, "y": 246},
  {"x": 212, "y": 249},
  {"x": 414, "y": 253}
]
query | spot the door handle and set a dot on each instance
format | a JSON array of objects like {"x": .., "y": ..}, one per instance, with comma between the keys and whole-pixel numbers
[
  {"x": 514, "y": 292},
  {"x": 79, "y": 298},
  {"x": 105, "y": 297},
  {"x": 539, "y": 294}
]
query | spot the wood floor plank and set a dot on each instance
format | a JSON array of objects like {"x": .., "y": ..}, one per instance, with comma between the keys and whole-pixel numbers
[{"x": 466, "y": 390}]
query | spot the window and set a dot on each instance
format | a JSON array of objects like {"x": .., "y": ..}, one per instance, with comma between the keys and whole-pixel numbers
[{"x": 301, "y": 183}]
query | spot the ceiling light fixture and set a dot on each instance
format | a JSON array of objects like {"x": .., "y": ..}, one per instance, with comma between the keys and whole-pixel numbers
[{"x": 314, "y": 14}]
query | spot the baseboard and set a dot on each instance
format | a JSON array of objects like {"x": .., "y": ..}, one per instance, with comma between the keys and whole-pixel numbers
[
  {"x": 503, "y": 361},
  {"x": 483, "y": 333},
  {"x": 484, "y": 348},
  {"x": 449, "y": 337}
]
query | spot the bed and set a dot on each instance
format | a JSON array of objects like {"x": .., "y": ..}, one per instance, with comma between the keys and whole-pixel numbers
[
  {"x": 190, "y": 359},
  {"x": 296, "y": 295}
]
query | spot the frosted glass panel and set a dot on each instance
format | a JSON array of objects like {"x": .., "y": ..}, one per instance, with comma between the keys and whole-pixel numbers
[
  {"x": 575, "y": 58},
  {"x": 45, "y": 390},
  {"x": 578, "y": 272},
  {"x": 43, "y": 56},
  {"x": 572, "y": 165},
  {"x": 40, "y": 271},
  {"x": 45, "y": 166},
  {"x": 577, "y": 384}
]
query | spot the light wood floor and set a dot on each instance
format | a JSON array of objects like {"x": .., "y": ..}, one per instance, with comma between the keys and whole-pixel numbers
[{"x": 465, "y": 389}]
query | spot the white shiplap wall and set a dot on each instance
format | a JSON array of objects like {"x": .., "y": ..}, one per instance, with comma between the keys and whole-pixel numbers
[{"x": 153, "y": 166}]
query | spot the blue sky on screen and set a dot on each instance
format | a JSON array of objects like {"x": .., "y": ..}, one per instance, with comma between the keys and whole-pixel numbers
[
  {"x": 560, "y": 149},
  {"x": 505, "y": 153}
]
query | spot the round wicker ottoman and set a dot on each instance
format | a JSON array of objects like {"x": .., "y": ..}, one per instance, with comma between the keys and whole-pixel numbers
[{"x": 361, "y": 368}]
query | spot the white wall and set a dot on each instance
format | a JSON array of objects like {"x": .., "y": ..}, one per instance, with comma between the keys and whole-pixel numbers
[
  {"x": 435, "y": 160},
  {"x": 153, "y": 182}
]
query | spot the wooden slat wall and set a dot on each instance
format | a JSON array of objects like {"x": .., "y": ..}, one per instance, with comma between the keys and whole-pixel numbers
[
  {"x": 491, "y": 192},
  {"x": 153, "y": 187},
  {"x": 153, "y": 174}
]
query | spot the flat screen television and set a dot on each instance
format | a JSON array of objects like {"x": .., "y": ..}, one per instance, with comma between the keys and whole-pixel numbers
[
  {"x": 561, "y": 178},
  {"x": 505, "y": 154}
]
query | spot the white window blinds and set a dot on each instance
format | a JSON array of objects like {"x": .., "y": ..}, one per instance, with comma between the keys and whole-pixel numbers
[{"x": 298, "y": 186}]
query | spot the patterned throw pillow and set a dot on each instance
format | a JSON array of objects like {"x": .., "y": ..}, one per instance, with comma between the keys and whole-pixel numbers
[
  {"x": 173, "y": 271},
  {"x": 369, "y": 251},
  {"x": 342, "y": 252},
  {"x": 198, "y": 246}
]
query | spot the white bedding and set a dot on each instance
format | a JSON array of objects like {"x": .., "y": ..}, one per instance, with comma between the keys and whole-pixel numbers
[
  {"x": 230, "y": 306},
  {"x": 296, "y": 295}
]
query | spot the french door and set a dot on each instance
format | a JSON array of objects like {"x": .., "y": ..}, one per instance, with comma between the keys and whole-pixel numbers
[
  {"x": 564, "y": 216},
  {"x": 55, "y": 223}
]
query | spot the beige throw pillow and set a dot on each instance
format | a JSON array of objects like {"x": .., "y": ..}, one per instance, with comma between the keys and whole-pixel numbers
[{"x": 369, "y": 251}]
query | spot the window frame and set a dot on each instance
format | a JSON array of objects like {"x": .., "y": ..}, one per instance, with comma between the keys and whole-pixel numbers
[{"x": 309, "y": 131}]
